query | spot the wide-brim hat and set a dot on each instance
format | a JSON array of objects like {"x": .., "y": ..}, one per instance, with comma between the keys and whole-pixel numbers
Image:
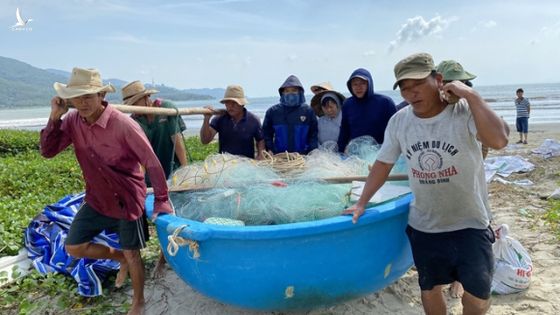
[
  {"x": 235, "y": 93},
  {"x": 316, "y": 101},
  {"x": 134, "y": 91},
  {"x": 417, "y": 66},
  {"x": 451, "y": 70},
  {"x": 322, "y": 85},
  {"x": 82, "y": 82}
]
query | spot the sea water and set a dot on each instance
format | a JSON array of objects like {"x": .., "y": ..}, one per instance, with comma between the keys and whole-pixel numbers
[{"x": 544, "y": 98}]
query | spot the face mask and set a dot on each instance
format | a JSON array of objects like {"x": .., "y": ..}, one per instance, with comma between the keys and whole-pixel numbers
[{"x": 290, "y": 100}]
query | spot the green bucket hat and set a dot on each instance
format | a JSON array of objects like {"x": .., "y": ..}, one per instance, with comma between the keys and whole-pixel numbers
[
  {"x": 452, "y": 70},
  {"x": 417, "y": 66}
]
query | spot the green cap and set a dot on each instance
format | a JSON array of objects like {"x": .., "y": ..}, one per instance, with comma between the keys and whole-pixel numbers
[
  {"x": 452, "y": 70},
  {"x": 417, "y": 66}
]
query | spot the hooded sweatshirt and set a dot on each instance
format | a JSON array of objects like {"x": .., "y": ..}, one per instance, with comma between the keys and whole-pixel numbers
[
  {"x": 290, "y": 128},
  {"x": 368, "y": 115}
]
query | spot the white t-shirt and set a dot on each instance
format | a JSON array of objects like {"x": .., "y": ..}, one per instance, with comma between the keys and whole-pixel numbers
[{"x": 445, "y": 168}]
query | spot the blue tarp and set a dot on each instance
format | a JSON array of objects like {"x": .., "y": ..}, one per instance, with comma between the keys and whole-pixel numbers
[{"x": 44, "y": 240}]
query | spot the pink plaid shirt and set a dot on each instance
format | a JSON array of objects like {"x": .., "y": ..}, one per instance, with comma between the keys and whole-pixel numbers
[{"x": 110, "y": 152}]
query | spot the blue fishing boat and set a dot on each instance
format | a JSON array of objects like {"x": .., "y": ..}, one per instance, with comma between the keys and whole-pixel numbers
[{"x": 297, "y": 266}]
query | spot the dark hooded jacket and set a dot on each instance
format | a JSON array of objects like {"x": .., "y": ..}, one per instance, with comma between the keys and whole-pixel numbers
[
  {"x": 368, "y": 115},
  {"x": 290, "y": 128}
]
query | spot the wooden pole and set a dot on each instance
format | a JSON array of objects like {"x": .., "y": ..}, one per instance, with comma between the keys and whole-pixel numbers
[
  {"x": 145, "y": 110},
  {"x": 349, "y": 179},
  {"x": 330, "y": 180}
]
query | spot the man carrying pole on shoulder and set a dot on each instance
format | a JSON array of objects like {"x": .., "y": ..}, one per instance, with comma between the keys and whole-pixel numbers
[{"x": 112, "y": 150}]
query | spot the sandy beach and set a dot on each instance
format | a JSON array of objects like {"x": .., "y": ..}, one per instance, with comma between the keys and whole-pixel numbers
[{"x": 519, "y": 207}]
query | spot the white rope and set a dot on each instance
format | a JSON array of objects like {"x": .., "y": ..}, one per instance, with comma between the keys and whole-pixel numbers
[{"x": 176, "y": 241}]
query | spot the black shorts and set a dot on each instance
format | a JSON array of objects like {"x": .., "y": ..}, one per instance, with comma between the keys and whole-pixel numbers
[
  {"x": 465, "y": 256},
  {"x": 88, "y": 223}
]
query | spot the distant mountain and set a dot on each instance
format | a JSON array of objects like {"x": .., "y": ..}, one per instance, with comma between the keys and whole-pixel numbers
[
  {"x": 63, "y": 73},
  {"x": 164, "y": 92},
  {"x": 24, "y": 85},
  {"x": 115, "y": 82},
  {"x": 215, "y": 92}
]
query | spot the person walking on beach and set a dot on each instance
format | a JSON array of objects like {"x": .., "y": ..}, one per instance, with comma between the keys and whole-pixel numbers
[
  {"x": 448, "y": 224},
  {"x": 523, "y": 108},
  {"x": 291, "y": 125},
  {"x": 365, "y": 112},
  {"x": 239, "y": 130},
  {"x": 163, "y": 132},
  {"x": 451, "y": 70},
  {"x": 111, "y": 149}
]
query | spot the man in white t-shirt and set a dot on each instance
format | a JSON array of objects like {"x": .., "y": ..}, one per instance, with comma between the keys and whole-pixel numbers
[{"x": 448, "y": 219}]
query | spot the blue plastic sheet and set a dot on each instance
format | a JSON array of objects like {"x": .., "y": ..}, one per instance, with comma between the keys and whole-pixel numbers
[{"x": 44, "y": 240}]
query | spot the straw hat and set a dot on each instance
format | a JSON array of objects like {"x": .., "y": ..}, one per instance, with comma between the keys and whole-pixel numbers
[
  {"x": 316, "y": 101},
  {"x": 134, "y": 91},
  {"x": 82, "y": 82},
  {"x": 234, "y": 93},
  {"x": 322, "y": 85}
]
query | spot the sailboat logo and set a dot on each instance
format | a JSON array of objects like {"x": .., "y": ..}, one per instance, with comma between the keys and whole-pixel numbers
[{"x": 21, "y": 23}]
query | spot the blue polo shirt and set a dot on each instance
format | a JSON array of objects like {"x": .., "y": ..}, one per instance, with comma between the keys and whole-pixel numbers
[{"x": 238, "y": 138}]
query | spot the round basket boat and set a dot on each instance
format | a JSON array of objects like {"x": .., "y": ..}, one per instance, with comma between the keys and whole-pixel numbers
[{"x": 296, "y": 266}]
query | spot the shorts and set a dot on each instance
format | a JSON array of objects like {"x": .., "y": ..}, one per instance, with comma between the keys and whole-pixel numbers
[
  {"x": 88, "y": 223},
  {"x": 464, "y": 255},
  {"x": 522, "y": 124}
]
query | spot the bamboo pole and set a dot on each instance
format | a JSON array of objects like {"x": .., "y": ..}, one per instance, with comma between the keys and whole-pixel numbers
[
  {"x": 349, "y": 179},
  {"x": 145, "y": 110},
  {"x": 330, "y": 180}
]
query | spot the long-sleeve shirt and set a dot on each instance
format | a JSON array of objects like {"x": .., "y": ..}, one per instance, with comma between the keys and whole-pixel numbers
[
  {"x": 329, "y": 128},
  {"x": 292, "y": 129},
  {"x": 110, "y": 153}
]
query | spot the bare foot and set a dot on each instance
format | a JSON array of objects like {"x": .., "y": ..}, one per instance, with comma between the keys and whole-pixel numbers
[
  {"x": 456, "y": 290},
  {"x": 159, "y": 269},
  {"x": 136, "y": 309},
  {"x": 122, "y": 275}
]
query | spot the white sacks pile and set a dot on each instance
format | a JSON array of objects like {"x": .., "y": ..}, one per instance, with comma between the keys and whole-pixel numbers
[{"x": 513, "y": 264}]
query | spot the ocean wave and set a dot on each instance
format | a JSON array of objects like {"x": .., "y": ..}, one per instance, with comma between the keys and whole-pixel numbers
[
  {"x": 18, "y": 123},
  {"x": 532, "y": 99}
]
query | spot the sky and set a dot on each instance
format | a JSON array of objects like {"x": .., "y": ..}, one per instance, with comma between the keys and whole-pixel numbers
[{"x": 258, "y": 44}]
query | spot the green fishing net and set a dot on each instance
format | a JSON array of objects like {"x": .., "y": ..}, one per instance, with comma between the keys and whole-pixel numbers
[{"x": 251, "y": 192}]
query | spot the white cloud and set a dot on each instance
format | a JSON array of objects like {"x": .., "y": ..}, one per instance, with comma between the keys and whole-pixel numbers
[
  {"x": 416, "y": 28},
  {"x": 368, "y": 53},
  {"x": 292, "y": 58},
  {"x": 551, "y": 31},
  {"x": 490, "y": 24},
  {"x": 484, "y": 24},
  {"x": 547, "y": 33}
]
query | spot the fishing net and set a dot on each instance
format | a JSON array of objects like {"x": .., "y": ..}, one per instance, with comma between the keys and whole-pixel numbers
[
  {"x": 221, "y": 170},
  {"x": 265, "y": 204},
  {"x": 282, "y": 188}
]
